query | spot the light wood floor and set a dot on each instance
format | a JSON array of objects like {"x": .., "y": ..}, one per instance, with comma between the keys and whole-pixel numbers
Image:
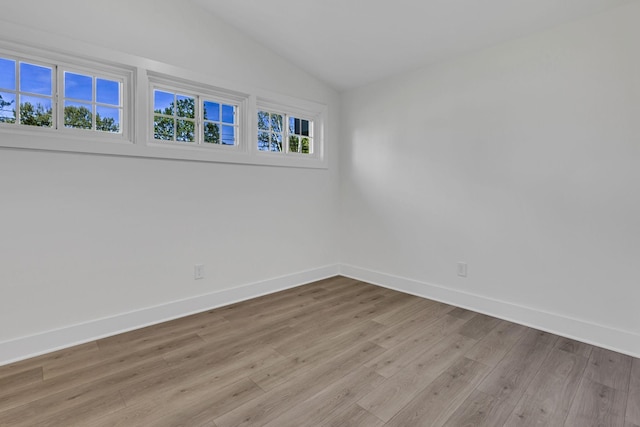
[{"x": 334, "y": 353}]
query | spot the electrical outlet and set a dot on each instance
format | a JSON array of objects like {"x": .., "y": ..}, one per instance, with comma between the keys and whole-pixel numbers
[
  {"x": 198, "y": 271},
  {"x": 462, "y": 269}
]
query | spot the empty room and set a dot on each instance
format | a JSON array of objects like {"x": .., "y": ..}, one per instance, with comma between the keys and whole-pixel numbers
[{"x": 320, "y": 213}]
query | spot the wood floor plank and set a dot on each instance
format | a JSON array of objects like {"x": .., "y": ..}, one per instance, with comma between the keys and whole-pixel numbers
[
  {"x": 354, "y": 416},
  {"x": 474, "y": 411},
  {"x": 336, "y": 397},
  {"x": 633, "y": 406},
  {"x": 397, "y": 334},
  {"x": 406, "y": 311},
  {"x": 596, "y": 404},
  {"x": 507, "y": 383},
  {"x": 633, "y": 400},
  {"x": 267, "y": 407},
  {"x": 393, "y": 394},
  {"x": 127, "y": 363},
  {"x": 609, "y": 368},
  {"x": 49, "y": 358},
  {"x": 338, "y": 352},
  {"x": 191, "y": 407},
  {"x": 496, "y": 344},
  {"x": 393, "y": 360},
  {"x": 78, "y": 415},
  {"x": 434, "y": 405},
  {"x": 212, "y": 373},
  {"x": 46, "y": 401},
  {"x": 230, "y": 341},
  {"x": 306, "y": 359},
  {"x": 12, "y": 383},
  {"x": 308, "y": 334},
  {"x": 573, "y": 346},
  {"x": 479, "y": 326},
  {"x": 635, "y": 373},
  {"x": 156, "y": 340},
  {"x": 462, "y": 313},
  {"x": 550, "y": 394}
]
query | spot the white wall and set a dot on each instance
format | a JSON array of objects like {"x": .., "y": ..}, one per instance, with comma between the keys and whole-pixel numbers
[
  {"x": 85, "y": 237},
  {"x": 522, "y": 160}
]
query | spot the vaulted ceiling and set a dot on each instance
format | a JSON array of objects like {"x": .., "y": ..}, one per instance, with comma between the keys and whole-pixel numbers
[{"x": 349, "y": 43}]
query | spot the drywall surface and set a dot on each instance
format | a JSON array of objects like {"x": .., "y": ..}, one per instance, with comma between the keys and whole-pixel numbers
[
  {"x": 86, "y": 237},
  {"x": 520, "y": 160}
]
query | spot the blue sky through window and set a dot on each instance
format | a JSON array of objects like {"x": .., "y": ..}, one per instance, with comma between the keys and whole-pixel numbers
[
  {"x": 108, "y": 92},
  {"x": 78, "y": 86},
  {"x": 228, "y": 135},
  {"x": 7, "y": 74},
  {"x": 227, "y": 114},
  {"x": 35, "y": 79},
  {"x": 211, "y": 111},
  {"x": 162, "y": 101}
]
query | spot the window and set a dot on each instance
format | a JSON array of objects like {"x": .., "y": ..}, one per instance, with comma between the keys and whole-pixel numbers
[
  {"x": 197, "y": 118},
  {"x": 129, "y": 106},
  {"x": 274, "y": 136},
  {"x": 300, "y": 139},
  {"x": 38, "y": 94},
  {"x": 92, "y": 102},
  {"x": 26, "y": 93}
]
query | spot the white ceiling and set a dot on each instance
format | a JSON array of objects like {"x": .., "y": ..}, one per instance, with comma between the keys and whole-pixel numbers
[{"x": 349, "y": 43}]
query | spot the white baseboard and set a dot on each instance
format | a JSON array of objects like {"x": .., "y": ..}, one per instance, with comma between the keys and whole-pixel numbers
[
  {"x": 45, "y": 342},
  {"x": 581, "y": 330},
  {"x": 603, "y": 336}
]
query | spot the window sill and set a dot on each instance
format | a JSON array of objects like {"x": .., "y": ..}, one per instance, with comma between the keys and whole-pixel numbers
[{"x": 39, "y": 139}]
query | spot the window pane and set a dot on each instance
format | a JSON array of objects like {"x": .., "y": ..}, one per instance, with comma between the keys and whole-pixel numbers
[
  {"x": 276, "y": 141},
  {"x": 277, "y": 123},
  {"x": 107, "y": 119},
  {"x": 294, "y": 143},
  {"x": 78, "y": 115},
  {"x": 306, "y": 146},
  {"x": 263, "y": 141},
  {"x": 228, "y": 113},
  {"x": 7, "y": 108},
  {"x": 211, "y": 133},
  {"x": 228, "y": 135},
  {"x": 185, "y": 130},
  {"x": 185, "y": 107},
  {"x": 78, "y": 86},
  {"x": 163, "y": 128},
  {"x": 211, "y": 111},
  {"x": 263, "y": 120},
  {"x": 108, "y": 92},
  {"x": 35, "y": 111},
  {"x": 163, "y": 103},
  {"x": 305, "y": 127},
  {"x": 35, "y": 79},
  {"x": 7, "y": 74}
]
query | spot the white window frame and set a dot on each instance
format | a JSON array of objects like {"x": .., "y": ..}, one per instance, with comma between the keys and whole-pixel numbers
[
  {"x": 60, "y": 63},
  {"x": 201, "y": 93}
]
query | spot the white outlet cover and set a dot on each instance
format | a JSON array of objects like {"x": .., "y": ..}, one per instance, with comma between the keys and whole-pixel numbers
[
  {"x": 462, "y": 269},
  {"x": 198, "y": 271}
]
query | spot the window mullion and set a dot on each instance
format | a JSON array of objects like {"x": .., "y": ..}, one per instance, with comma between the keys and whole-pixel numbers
[
  {"x": 199, "y": 134},
  {"x": 18, "y": 95},
  {"x": 58, "y": 105}
]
